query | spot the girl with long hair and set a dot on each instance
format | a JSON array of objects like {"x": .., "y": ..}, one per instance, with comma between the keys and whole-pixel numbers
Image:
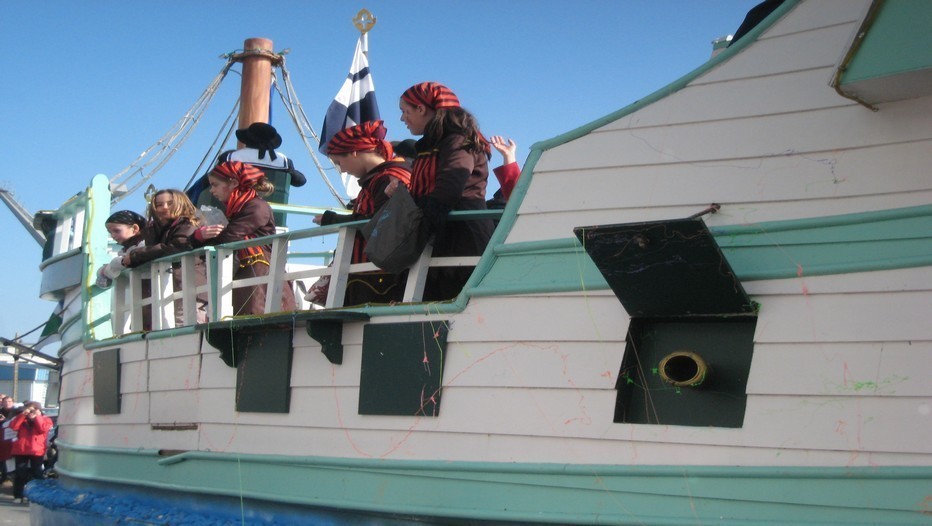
[
  {"x": 449, "y": 173},
  {"x": 172, "y": 222}
]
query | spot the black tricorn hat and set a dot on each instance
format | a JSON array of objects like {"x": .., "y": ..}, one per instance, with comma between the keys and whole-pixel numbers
[{"x": 261, "y": 136}]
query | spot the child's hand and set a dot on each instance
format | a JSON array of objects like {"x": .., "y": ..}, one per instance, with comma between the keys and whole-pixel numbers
[
  {"x": 506, "y": 148},
  {"x": 392, "y": 186},
  {"x": 317, "y": 219},
  {"x": 210, "y": 231}
]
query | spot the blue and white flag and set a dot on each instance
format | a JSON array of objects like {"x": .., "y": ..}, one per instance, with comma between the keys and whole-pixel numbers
[{"x": 355, "y": 102}]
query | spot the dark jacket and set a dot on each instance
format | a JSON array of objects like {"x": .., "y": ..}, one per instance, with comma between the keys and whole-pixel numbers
[{"x": 164, "y": 241}]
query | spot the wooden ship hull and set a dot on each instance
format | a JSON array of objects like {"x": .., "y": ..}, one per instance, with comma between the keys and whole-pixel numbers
[{"x": 624, "y": 353}]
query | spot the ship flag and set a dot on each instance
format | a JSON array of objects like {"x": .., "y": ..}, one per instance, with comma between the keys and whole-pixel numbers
[
  {"x": 353, "y": 104},
  {"x": 50, "y": 332}
]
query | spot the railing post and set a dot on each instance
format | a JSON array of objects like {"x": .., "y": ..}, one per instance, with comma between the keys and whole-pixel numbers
[
  {"x": 213, "y": 289},
  {"x": 120, "y": 315},
  {"x": 225, "y": 262},
  {"x": 189, "y": 288},
  {"x": 417, "y": 275},
  {"x": 78, "y": 230},
  {"x": 273, "y": 291},
  {"x": 163, "y": 306},
  {"x": 135, "y": 301},
  {"x": 339, "y": 272}
]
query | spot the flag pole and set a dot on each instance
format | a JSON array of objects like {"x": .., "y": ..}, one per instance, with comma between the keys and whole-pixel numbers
[{"x": 364, "y": 21}]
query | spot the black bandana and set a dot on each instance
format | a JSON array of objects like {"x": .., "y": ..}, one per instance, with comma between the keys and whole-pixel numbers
[{"x": 127, "y": 217}]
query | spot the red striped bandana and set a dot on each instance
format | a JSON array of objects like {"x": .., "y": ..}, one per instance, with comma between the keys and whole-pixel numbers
[
  {"x": 369, "y": 135},
  {"x": 431, "y": 94},
  {"x": 246, "y": 175}
]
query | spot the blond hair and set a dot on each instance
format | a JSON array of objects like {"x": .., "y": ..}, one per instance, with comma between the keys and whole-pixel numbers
[{"x": 181, "y": 206}]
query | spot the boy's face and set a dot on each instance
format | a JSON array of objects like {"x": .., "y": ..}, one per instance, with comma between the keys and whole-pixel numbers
[
  {"x": 120, "y": 232},
  {"x": 348, "y": 163}
]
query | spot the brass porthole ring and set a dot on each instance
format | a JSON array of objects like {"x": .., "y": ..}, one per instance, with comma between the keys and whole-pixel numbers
[{"x": 683, "y": 369}]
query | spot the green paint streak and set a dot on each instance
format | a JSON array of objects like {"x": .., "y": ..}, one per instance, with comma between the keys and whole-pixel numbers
[{"x": 873, "y": 386}]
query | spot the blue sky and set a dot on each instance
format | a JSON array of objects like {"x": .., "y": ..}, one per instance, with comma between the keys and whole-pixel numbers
[{"x": 88, "y": 85}]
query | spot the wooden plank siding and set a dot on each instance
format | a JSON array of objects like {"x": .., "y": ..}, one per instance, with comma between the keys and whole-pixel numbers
[
  {"x": 763, "y": 134},
  {"x": 558, "y": 387}
]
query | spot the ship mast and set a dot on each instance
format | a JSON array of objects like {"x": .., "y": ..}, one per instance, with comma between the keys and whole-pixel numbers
[{"x": 255, "y": 90}]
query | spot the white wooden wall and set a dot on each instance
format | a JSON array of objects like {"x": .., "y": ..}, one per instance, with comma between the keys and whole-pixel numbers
[{"x": 762, "y": 134}]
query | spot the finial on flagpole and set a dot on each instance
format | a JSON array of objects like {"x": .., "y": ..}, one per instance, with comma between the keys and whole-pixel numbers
[{"x": 364, "y": 21}]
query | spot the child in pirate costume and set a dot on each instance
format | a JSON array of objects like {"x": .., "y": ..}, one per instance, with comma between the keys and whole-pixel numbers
[
  {"x": 239, "y": 187},
  {"x": 450, "y": 172},
  {"x": 363, "y": 152},
  {"x": 172, "y": 221}
]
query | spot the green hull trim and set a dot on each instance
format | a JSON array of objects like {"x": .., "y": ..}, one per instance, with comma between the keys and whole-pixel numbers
[
  {"x": 897, "y": 42},
  {"x": 539, "y": 493},
  {"x": 862, "y": 242}
]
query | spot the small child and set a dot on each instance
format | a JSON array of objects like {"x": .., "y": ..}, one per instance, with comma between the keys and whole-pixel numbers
[
  {"x": 172, "y": 222},
  {"x": 128, "y": 229}
]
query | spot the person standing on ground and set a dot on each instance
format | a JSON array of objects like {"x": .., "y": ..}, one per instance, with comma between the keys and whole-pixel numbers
[
  {"x": 32, "y": 429},
  {"x": 6, "y": 446}
]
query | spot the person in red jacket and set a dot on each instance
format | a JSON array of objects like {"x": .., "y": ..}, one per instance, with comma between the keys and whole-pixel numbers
[{"x": 32, "y": 430}]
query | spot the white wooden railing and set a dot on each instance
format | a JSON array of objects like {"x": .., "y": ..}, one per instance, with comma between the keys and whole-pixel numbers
[{"x": 129, "y": 300}]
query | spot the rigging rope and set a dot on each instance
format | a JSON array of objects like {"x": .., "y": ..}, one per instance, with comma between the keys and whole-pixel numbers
[
  {"x": 209, "y": 156},
  {"x": 166, "y": 146},
  {"x": 303, "y": 125},
  {"x": 135, "y": 176}
]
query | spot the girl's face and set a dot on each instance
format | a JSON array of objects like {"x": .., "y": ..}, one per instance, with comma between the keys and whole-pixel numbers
[
  {"x": 162, "y": 206},
  {"x": 415, "y": 117},
  {"x": 221, "y": 188},
  {"x": 120, "y": 232}
]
